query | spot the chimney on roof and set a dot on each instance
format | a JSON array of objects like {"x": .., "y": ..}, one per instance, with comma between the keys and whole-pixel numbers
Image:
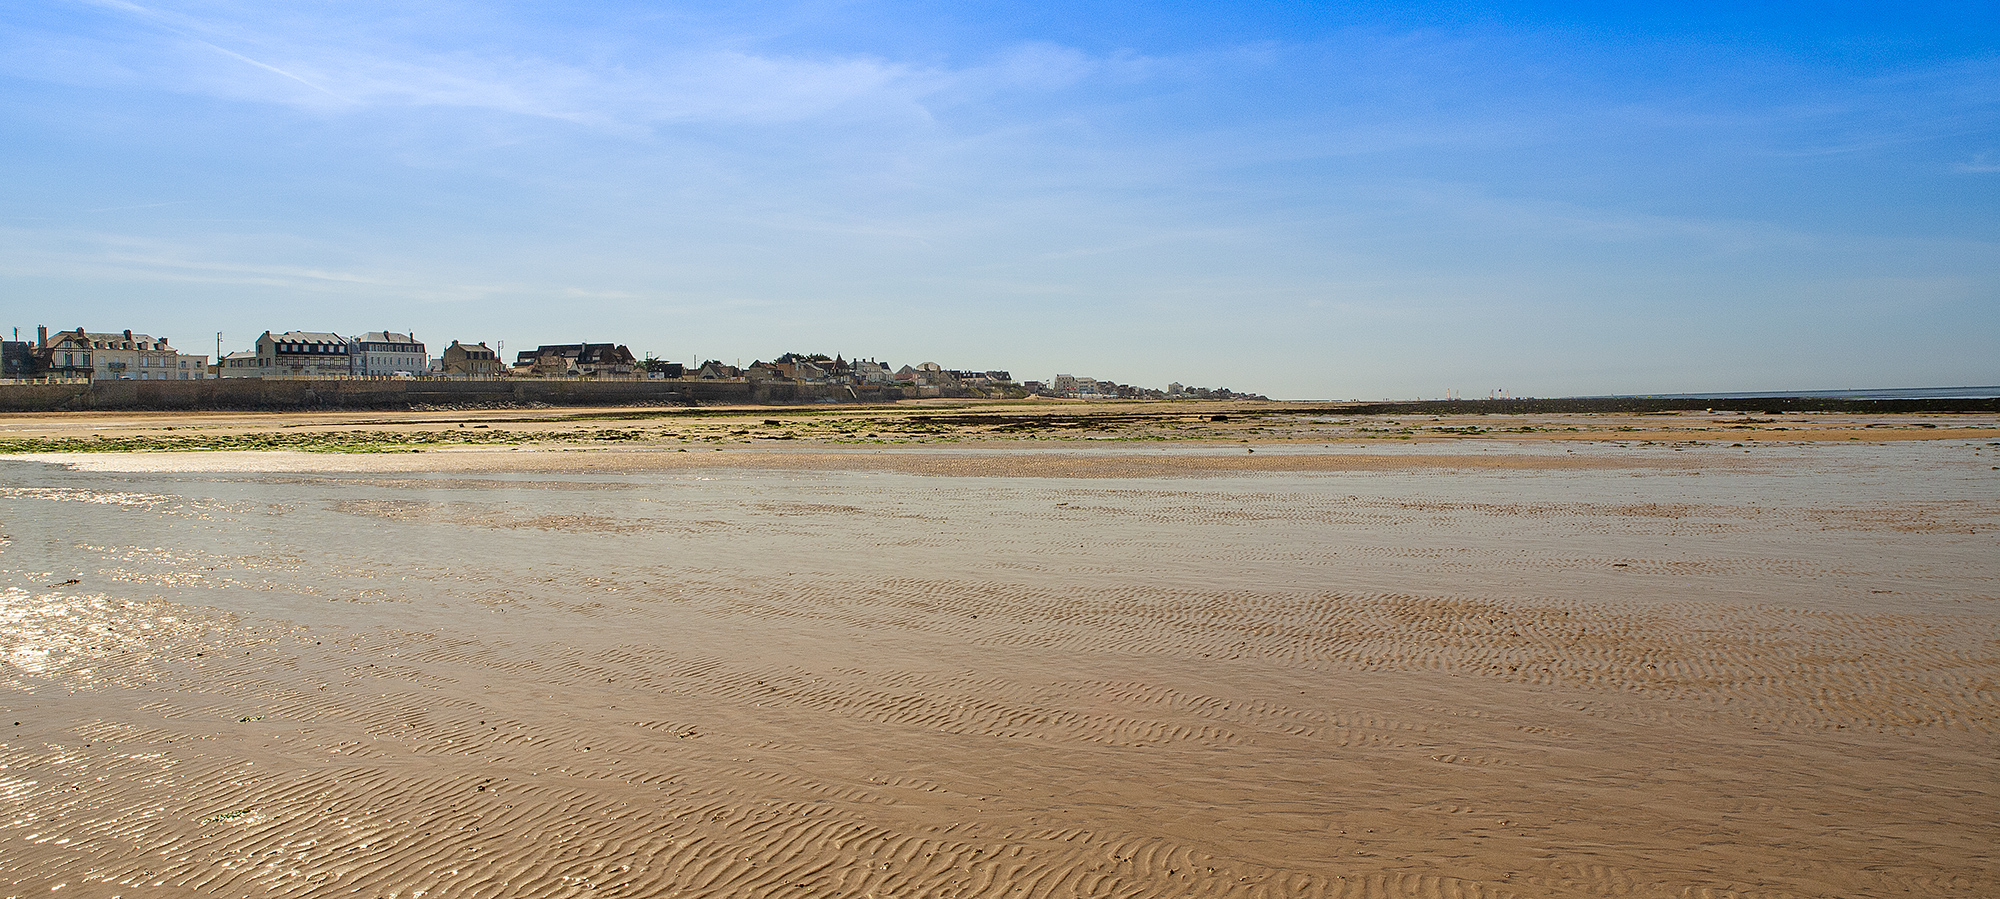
[
  {"x": 128, "y": 333},
  {"x": 41, "y": 335}
]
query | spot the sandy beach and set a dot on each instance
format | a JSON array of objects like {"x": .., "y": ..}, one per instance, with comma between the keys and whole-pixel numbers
[{"x": 924, "y": 653}]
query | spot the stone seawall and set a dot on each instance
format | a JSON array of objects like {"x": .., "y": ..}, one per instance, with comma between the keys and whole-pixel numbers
[{"x": 242, "y": 394}]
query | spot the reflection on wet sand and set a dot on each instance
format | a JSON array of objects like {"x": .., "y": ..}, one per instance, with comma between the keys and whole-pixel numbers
[{"x": 1634, "y": 673}]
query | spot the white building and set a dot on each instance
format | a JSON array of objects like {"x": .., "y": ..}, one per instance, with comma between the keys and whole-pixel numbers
[
  {"x": 869, "y": 371},
  {"x": 387, "y": 353},
  {"x": 1077, "y": 386},
  {"x": 245, "y": 364},
  {"x": 124, "y": 356}
]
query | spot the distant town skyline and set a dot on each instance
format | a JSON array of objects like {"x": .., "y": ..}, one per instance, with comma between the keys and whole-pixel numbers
[
  {"x": 1294, "y": 199},
  {"x": 81, "y": 355}
]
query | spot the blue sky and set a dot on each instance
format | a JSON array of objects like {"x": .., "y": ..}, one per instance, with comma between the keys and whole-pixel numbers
[{"x": 1304, "y": 200}]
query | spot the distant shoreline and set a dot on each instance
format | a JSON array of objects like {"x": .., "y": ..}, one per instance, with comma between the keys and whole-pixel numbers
[
  {"x": 1870, "y": 393},
  {"x": 1769, "y": 403}
]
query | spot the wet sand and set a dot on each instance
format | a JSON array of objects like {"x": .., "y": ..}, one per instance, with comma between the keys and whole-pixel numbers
[{"x": 1513, "y": 667}]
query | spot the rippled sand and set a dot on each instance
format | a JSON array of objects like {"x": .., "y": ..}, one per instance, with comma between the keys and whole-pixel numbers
[{"x": 1508, "y": 670}]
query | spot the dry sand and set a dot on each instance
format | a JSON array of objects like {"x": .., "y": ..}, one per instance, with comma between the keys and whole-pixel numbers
[
  {"x": 1005, "y": 423},
  {"x": 1434, "y": 668}
]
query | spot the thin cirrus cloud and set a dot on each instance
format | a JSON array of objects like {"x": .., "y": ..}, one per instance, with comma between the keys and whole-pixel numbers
[
  {"x": 166, "y": 49},
  {"x": 707, "y": 85},
  {"x": 68, "y": 253}
]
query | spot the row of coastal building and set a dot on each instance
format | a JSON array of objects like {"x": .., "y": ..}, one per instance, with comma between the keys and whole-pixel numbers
[{"x": 82, "y": 355}]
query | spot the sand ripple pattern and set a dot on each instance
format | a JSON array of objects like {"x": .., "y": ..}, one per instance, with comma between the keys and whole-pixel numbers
[{"x": 809, "y": 685}]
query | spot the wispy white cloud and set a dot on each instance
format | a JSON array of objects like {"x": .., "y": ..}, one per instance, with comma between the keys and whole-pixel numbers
[
  {"x": 1041, "y": 65},
  {"x": 270, "y": 68},
  {"x": 1543, "y": 220},
  {"x": 1981, "y": 164},
  {"x": 92, "y": 256},
  {"x": 341, "y": 67},
  {"x": 589, "y": 294},
  {"x": 138, "y": 206}
]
